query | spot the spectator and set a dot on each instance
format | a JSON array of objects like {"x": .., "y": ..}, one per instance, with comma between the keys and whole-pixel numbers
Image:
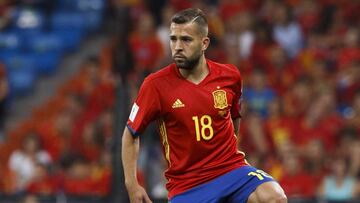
[
  {"x": 279, "y": 128},
  {"x": 6, "y": 8},
  {"x": 320, "y": 75},
  {"x": 321, "y": 121},
  {"x": 85, "y": 179},
  {"x": 30, "y": 199},
  {"x": 298, "y": 98},
  {"x": 266, "y": 10},
  {"x": 287, "y": 32},
  {"x": 106, "y": 125},
  {"x": 258, "y": 94},
  {"x": 294, "y": 180},
  {"x": 338, "y": 185},
  {"x": 101, "y": 174},
  {"x": 55, "y": 134},
  {"x": 347, "y": 136},
  {"x": 75, "y": 104},
  {"x": 77, "y": 180},
  {"x": 348, "y": 82},
  {"x": 349, "y": 148},
  {"x": 354, "y": 158},
  {"x": 353, "y": 116},
  {"x": 42, "y": 183},
  {"x": 229, "y": 8},
  {"x": 256, "y": 140},
  {"x": 315, "y": 157},
  {"x": 90, "y": 76},
  {"x": 23, "y": 161},
  {"x": 246, "y": 35},
  {"x": 146, "y": 46},
  {"x": 91, "y": 142},
  {"x": 263, "y": 45},
  {"x": 163, "y": 32},
  {"x": 308, "y": 14},
  {"x": 281, "y": 71},
  {"x": 350, "y": 48}
]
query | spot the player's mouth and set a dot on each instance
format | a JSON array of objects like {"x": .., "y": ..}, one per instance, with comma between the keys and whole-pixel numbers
[{"x": 179, "y": 56}]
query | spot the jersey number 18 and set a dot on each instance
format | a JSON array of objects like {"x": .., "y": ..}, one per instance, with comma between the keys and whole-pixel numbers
[{"x": 203, "y": 129}]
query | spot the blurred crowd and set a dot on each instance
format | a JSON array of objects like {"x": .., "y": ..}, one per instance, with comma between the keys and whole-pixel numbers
[
  {"x": 35, "y": 35},
  {"x": 65, "y": 144},
  {"x": 300, "y": 63},
  {"x": 63, "y": 147}
]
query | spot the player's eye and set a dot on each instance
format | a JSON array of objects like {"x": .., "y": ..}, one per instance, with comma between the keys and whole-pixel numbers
[
  {"x": 187, "y": 39},
  {"x": 172, "y": 38}
]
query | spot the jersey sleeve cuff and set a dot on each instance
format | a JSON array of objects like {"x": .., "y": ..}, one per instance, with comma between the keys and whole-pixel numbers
[{"x": 133, "y": 132}]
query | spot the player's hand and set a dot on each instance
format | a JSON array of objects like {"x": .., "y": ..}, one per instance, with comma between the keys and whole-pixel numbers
[{"x": 137, "y": 194}]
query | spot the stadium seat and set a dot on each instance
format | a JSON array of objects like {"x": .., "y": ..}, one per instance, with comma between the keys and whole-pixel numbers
[
  {"x": 71, "y": 38},
  {"x": 90, "y": 5},
  {"x": 46, "y": 49},
  {"x": 22, "y": 73},
  {"x": 93, "y": 20},
  {"x": 21, "y": 82},
  {"x": 65, "y": 20},
  {"x": 81, "y": 5},
  {"x": 81, "y": 21},
  {"x": 10, "y": 41},
  {"x": 47, "y": 62},
  {"x": 44, "y": 42}
]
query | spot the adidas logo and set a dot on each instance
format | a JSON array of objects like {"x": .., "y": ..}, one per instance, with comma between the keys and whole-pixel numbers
[{"x": 178, "y": 104}]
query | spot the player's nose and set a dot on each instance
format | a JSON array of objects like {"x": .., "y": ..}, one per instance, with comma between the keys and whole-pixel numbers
[{"x": 178, "y": 45}]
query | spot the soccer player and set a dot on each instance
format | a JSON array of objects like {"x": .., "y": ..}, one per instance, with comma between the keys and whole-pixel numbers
[{"x": 195, "y": 102}]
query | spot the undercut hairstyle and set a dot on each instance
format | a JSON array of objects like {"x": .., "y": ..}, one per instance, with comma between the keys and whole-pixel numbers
[{"x": 192, "y": 15}]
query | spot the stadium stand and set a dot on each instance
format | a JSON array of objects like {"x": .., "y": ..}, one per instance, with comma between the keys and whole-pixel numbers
[{"x": 300, "y": 60}]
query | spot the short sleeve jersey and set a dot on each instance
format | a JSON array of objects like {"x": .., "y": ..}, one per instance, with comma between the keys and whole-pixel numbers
[{"x": 194, "y": 122}]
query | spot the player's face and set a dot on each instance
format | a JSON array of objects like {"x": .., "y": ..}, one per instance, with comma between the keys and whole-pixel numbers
[{"x": 187, "y": 44}]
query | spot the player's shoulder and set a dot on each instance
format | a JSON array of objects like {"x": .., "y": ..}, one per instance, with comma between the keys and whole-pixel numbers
[
  {"x": 225, "y": 69},
  {"x": 160, "y": 75}
]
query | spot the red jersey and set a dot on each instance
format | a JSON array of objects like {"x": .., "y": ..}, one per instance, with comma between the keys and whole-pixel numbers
[{"x": 195, "y": 123}]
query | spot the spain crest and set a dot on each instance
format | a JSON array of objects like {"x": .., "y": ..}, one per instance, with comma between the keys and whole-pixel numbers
[{"x": 220, "y": 100}]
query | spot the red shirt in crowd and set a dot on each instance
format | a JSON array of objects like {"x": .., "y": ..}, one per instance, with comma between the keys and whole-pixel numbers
[
  {"x": 147, "y": 52},
  {"x": 298, "y": 185}
]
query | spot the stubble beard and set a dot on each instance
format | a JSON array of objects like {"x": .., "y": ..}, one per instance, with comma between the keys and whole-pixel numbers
[{"x": 188, "y": 63}]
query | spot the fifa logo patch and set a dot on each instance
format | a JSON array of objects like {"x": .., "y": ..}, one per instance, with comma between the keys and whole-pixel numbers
[{"x": 220, "y": 100}]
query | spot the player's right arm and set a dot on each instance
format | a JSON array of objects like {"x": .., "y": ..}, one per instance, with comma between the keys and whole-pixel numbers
[
  {"x": 130, "y": 154},
  {"x": 145, "y": 109}
]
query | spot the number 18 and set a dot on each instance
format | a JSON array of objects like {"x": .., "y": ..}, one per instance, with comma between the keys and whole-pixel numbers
[{"x": 203, "y": 129}]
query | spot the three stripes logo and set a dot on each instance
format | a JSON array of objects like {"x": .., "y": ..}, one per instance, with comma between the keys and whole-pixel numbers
[{"x": 178, "y": 104}]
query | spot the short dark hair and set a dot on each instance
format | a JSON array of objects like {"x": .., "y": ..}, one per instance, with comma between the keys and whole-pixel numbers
[{"x": 192, "y": 15}]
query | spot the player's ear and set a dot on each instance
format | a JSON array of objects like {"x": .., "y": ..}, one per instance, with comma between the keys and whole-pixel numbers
[{"x": 205, "y": 43}]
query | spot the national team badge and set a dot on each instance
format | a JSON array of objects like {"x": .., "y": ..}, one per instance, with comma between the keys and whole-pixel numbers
[{"x": 220, "y": 101}]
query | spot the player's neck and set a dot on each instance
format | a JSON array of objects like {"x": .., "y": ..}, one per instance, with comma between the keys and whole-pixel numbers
[{"x": 197, "y": 74}]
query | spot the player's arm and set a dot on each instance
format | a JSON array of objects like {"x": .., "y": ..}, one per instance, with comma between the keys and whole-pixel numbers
[
  {"x": 236, "y": 106},
  {"x": 130, "y": 154},
  {"x": 236, "y": 123}
]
